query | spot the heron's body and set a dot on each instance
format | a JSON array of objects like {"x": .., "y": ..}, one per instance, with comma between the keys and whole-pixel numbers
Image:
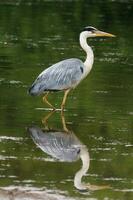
[
  {"x": 63, "y": 75},
  {"x": 67, "y": 74}
]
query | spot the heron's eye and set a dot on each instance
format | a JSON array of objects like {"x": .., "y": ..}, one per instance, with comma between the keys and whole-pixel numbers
[
  {"x": 90, "y": 29},
  {"x": 91, "y": 32}
]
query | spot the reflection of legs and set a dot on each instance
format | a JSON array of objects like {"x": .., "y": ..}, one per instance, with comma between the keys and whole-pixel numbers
[
  {"x": 64, "y": 122},
  {"x": 47, "y": 102},
  {"x": 64, "y": 99}
]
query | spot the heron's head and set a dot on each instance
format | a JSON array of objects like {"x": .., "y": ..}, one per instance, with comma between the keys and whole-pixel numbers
[{"x": 90, "y": 31}]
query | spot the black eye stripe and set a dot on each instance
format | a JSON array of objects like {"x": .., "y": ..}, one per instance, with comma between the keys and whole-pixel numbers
[{"x": 89, "y": 29}]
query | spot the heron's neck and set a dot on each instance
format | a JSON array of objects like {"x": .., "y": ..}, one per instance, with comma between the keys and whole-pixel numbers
[
  {"x": 90, "y": 56},
  {"x": 84, "y": 155}
]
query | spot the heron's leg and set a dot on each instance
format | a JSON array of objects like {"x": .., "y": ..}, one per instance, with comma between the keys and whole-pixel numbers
[
  {"x": 47, "y": 102},
  {"x": 64, "y": 99},
  {"x": 45, "y": 119}
]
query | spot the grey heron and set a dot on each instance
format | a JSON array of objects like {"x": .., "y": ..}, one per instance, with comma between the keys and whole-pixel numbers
[{"x": 67, "y": 74}]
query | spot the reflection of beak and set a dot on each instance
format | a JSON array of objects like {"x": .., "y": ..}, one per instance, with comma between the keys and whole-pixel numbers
[
  {"x": 103, "y": 34},
  {"x": 97, "y": 187}
]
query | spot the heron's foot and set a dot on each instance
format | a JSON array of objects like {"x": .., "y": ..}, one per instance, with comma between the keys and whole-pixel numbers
[
  {"x": 62, "y": 108},
  {"x": 52, "y": 108},
  {"x": 46, "y": 118}
]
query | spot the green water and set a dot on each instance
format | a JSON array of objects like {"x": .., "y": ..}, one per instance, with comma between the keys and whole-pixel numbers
[{"x": 33, "y": 36}]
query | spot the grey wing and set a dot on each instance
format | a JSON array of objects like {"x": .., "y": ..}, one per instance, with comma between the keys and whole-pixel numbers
[
  {"x": 57, "y": 144},
  {"x": 60, "y": 76}
]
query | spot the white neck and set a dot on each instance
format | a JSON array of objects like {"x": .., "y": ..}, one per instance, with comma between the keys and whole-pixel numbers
[
  {"x": 90, "y": 56},
  {"x": 84, "y": 155}
]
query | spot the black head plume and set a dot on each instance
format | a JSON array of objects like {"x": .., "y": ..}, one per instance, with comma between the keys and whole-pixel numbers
[{"x": 89, "y": 28}]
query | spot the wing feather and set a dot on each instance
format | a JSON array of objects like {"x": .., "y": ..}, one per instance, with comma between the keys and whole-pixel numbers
[{"x": 60, "y": 76}]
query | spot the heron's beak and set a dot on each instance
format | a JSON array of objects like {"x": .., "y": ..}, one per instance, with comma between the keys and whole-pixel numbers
[{"x": 103, "y": 34}]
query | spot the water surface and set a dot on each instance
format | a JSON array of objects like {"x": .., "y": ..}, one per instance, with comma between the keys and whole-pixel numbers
[{"x": 99, "y": 112}]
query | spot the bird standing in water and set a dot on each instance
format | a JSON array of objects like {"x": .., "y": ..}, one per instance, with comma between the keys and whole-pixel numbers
[{"x": 67, "y": 74}]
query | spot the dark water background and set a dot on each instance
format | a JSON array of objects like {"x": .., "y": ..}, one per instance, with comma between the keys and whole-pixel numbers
[{"x": 36, "y": 34}]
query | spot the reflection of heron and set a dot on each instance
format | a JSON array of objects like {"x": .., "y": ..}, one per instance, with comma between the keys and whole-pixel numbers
[
  {"x": 68, "y": 73},
  {"x": 64, "y": 146}
]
